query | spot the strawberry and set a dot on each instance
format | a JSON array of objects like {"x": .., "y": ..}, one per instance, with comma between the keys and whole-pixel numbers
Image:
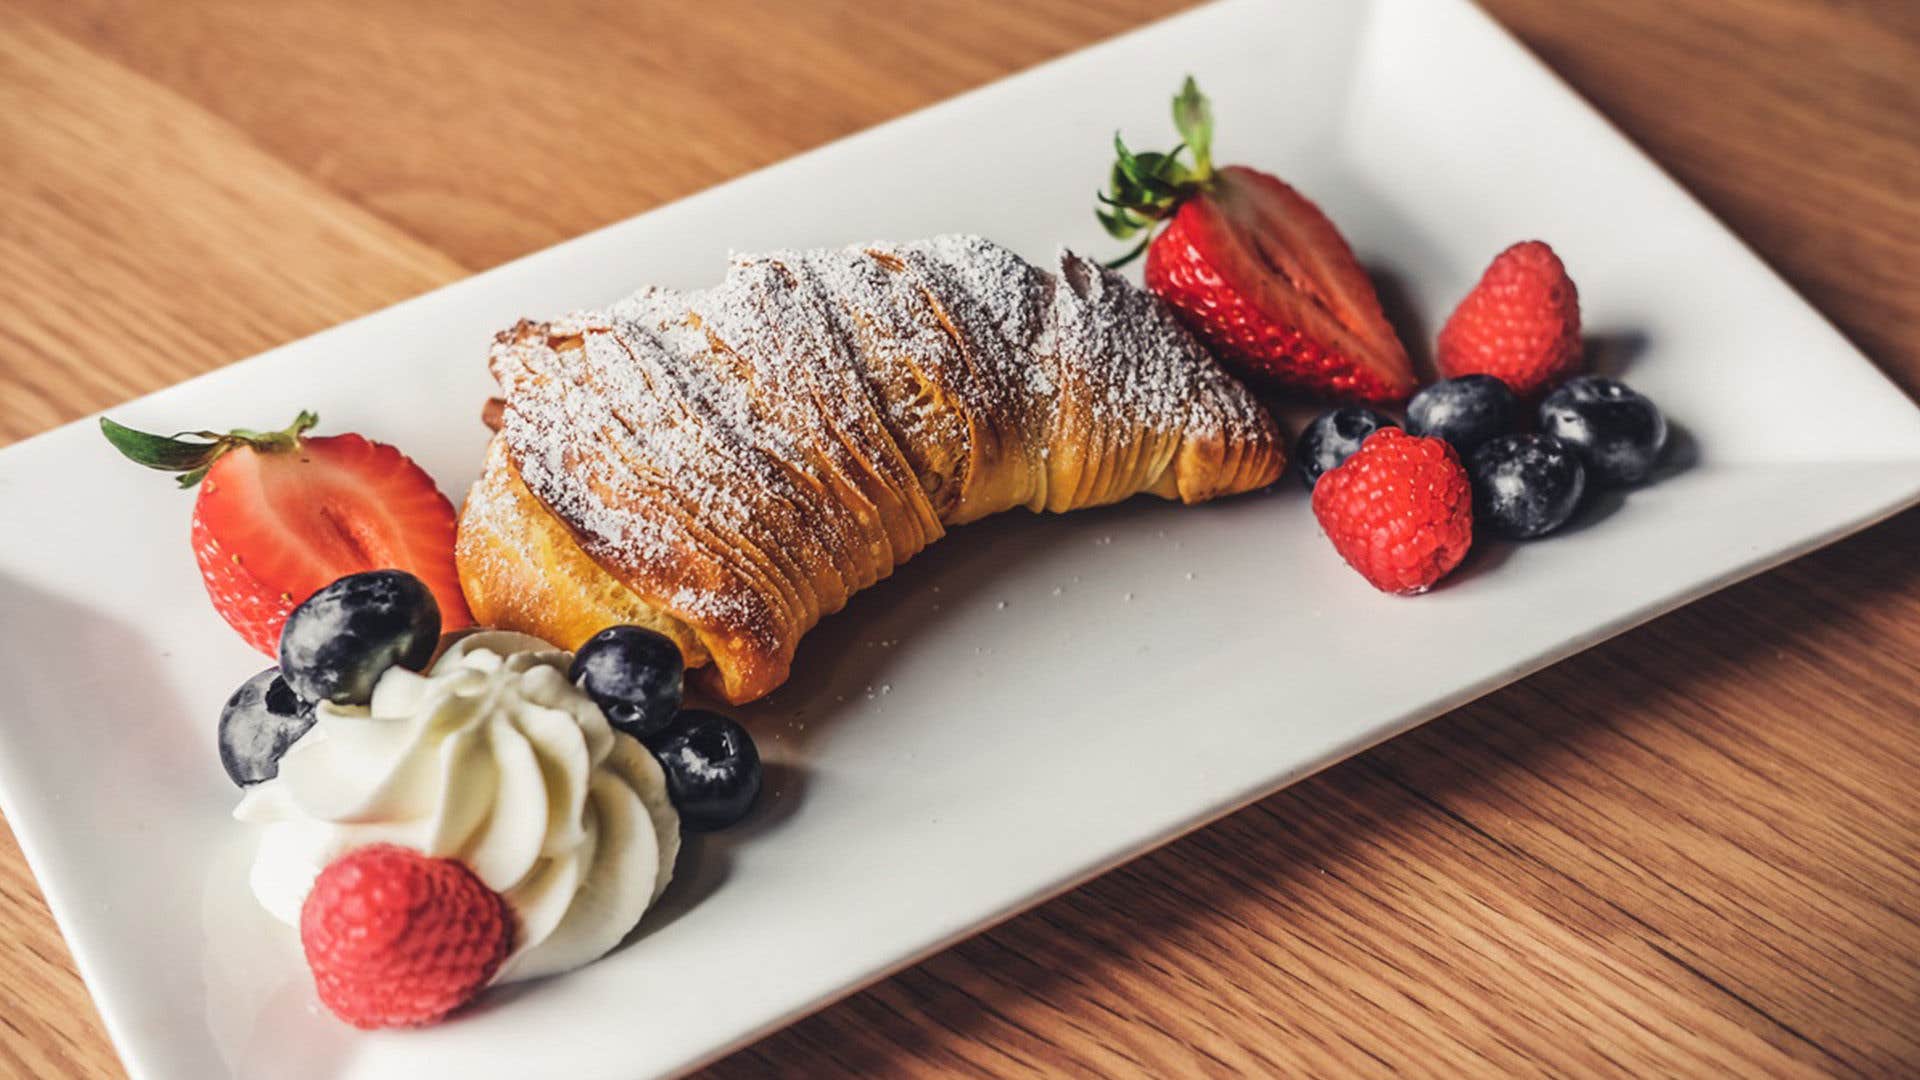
[
  {"x": 1520, "y": 324},
  {"x": 282, "y": 514},
  {"x": 399, "y": 939},
  {"x": 1254, "y": 268},
  {"x": 1400, "y": 510}
]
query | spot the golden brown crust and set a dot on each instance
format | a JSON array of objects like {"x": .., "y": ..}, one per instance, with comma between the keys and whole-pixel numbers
[
  {"x": 730, "y": 466},
  {"x": 528, "y": 572}
]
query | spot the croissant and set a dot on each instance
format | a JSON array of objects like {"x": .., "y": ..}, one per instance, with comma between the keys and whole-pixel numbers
[{"x": 728, "y": 466}]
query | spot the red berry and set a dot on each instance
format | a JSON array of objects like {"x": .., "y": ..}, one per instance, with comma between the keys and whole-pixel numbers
[
  {"x": 1520, "y": 324},
  {"x": 399, "y": 939},
  {"x": 1260, "y": 274},
  {"x": 1400, "y": 510},
  {"x": 1254, "y": 268},
  {"x": 281, "y": 515}
]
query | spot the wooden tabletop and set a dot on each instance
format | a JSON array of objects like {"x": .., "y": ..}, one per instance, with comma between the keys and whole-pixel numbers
[{"x": 1690, "y": 850}]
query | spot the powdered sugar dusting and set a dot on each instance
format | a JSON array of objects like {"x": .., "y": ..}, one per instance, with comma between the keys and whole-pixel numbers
[{"x": 749, "y": 455}]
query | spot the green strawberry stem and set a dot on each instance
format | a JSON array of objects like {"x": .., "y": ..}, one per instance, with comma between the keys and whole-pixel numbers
[
  {"x": 192, "y": 453},
  {"x": 1146, "y": 188},
  {"x": 1193, "y": 119}
]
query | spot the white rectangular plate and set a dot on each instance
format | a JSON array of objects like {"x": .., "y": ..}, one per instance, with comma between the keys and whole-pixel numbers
[{"x": 1030, "y": 702}]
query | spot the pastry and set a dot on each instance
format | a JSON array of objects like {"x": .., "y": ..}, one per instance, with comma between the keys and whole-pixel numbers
[{"x": 728, "y": 466}]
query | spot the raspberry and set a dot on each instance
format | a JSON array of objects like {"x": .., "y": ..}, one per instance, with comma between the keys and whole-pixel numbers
[
  {"x": 1400, "y": 510},
  {"x": 396, "y": 938},
  {"x": 1520, "y": 324}
]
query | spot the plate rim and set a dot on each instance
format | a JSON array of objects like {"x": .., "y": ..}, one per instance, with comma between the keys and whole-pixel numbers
[{"x": 128, "y": 1044}]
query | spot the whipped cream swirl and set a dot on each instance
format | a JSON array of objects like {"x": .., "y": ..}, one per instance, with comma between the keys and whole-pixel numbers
[{"x": 492, "y": 757}]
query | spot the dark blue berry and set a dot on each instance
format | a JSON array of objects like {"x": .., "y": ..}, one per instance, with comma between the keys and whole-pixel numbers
[
  {"x": 1332, "y": 438},
  {"x": 634, "y": 674},
  {"x": 1616, "y": 431},
  {"x": 339, "y": 642},
  {"x": 713, "y": 770},
  {"x": 258, "y": 723},
  {"x": 1525, "y": 485},
  {"x": 1466, "y": 411}
]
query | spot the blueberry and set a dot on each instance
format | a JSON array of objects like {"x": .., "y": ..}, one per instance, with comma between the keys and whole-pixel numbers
[
  {"x": 258, "y": 723},
  {"x": 1332, "y": 438},
  {"x": 634, "y": 674},
  {"x": 1525, "y": 485},
  {"x": 1616, "y": 431},
  {"x": 337, "y": 644},
  {"x": 713, "y": 770},
  {"x": 1466, "y": 411}
]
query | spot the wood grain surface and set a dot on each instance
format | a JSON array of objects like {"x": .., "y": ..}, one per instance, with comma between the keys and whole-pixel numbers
[{"x": 1691, "y": 850}]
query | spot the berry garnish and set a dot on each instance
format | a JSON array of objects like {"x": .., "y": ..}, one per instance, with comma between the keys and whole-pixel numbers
[
  {"x": 1332, "y": 438},
  {"x": 258, "y": 723},
  {"x": 280, "y": 514},
  {"x": 1525, "y": 485},
  {"x": 1466, "y": 411},
  {"x": 1521, "y": 323},
  {"x": 1400, "y": 511},
  {"x": 1617, "y": 432},
  {"x": 713, "y": 769},
  {"x": 341, "y": 639},
  {"x": 1253, "y": 267},
  {"x": 634, "y": 674},
  {"x": 399, "y": 939}
]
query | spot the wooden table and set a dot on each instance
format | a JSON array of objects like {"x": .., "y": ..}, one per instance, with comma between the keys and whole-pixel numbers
[{"x": 1692, "y": 849}]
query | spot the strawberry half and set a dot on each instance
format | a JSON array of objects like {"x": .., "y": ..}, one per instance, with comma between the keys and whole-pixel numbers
[
  {"x": 282, "y": 514},
  {"x": 1254, "y": 268}
]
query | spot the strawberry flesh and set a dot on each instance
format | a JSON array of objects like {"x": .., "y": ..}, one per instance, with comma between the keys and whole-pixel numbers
[
  {"x": 273, "y": 527},
  {"x": 1258, "y": 272}
]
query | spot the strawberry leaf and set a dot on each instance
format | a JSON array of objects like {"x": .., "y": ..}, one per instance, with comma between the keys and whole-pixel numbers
[
  {"x": 1149, "y": 186},
  {"x": 1126, "y": 193},
  {"x": 1124, "y": 164},
  {"x": 278, "y": 440},
  {"x": 190, "y": 479},
  {"x": 168, "y": 453},
  {"x": 1160, "y": 173},
  {"x": 1119, "y": 224},
  {"x": 1193, "y": 119},
  {"x": 1140, "y": 211},
  {"x": 192, "y": 453}
]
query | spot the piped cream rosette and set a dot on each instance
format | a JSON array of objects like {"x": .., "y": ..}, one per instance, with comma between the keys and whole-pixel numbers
[{"x": 492, "y": 757}]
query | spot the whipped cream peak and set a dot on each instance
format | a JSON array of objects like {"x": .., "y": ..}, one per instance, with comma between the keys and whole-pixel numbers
[{"x": 492, "y": 757}]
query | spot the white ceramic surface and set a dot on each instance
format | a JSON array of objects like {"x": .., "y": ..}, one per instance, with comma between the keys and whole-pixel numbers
[{"x": 1030, "y": 702}]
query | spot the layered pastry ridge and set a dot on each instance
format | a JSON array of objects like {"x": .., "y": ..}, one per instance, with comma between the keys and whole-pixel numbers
[{"x": 730, "y": 465}]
